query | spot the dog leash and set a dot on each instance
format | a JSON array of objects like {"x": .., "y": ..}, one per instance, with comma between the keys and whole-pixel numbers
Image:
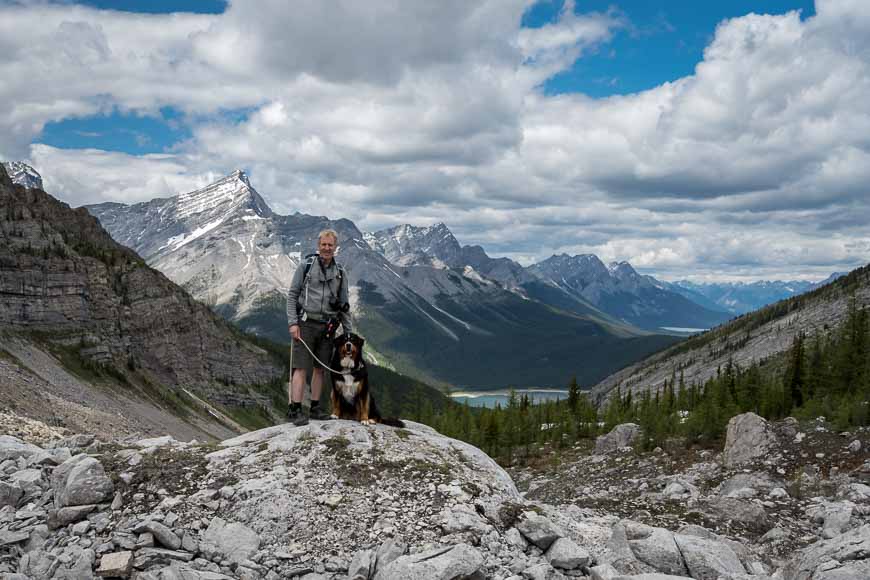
[{"x": 323, "y": 364}]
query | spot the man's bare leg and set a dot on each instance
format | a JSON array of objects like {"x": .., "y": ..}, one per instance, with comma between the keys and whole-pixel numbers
[
  {"x": 316, "y": 384},
  {"x": 298, "y": 386}
]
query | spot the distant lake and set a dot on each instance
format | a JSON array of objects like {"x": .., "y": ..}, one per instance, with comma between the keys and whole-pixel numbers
[
  {"x": 500, "y": 396},
  {"x": 686, "y": 330}
]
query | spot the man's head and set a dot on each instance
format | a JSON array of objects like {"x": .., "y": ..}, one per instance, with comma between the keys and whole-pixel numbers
[{"x": 327, "y": 242}]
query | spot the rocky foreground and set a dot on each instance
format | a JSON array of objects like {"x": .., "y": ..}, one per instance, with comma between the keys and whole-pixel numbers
[{"x": 336, "y": 500}]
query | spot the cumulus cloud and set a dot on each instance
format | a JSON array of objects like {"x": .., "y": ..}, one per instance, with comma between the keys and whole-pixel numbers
[{"x": 387, "y": 112}]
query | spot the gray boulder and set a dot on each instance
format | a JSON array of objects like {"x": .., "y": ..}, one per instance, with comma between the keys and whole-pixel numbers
[
  {"x": 463, "y": 518},
  {"x": 539, "y": 530},
  {"x": 10, "y": 494},
  {"x": 361, "y": 565},
  {"x": 845, "y": 557},
  {"x": 80, "y": 480},
  {"x": 749, "y": 437},
  {"x": 233, "y": 541},
  {"x": 164, "y": 536},
  {"x": 636, "y": 548},
  {"x": 449, "y": 563},
  {"x": 745, "y": 512},
  {"x": 389, "y": 551},
  {"x": 567, "y": 555},
  {"x": 745, "y": 485},
  {"x": 708, "y": 559},
  {"x": 620, "y": 436},
  {"x": 13, "y": 448}
]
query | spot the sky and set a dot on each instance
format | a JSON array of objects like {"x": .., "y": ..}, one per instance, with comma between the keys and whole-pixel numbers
[{"x": 697, "y": 140}]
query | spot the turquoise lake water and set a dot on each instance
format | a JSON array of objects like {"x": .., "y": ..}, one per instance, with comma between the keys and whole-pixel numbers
[{"x": 500, "y": 397}]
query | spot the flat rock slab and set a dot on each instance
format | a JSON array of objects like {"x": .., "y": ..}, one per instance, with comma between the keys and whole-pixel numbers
[
  {"x": 233, "y": 541},
  {"x": 116, "y": 564},
  {"x": 460, "y": 561},
  {"x": 13, "y": 448},
  {"x": 7, "y": 537}
]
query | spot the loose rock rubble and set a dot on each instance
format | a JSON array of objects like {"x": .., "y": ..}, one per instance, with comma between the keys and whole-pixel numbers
[{"x": 339, "y": 500}]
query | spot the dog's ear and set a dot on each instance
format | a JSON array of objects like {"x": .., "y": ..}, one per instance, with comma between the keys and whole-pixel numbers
[{"x": 339, "y": 340}]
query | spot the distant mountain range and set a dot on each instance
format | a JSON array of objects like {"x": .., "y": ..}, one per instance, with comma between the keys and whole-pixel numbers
[
  {"x": 740, "y": 297},
  {"x": 578, "y": 284},
  {"x": 426, "y": 310}
]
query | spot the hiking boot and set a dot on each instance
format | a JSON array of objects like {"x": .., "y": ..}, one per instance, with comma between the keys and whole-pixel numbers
[
  {"x": 318, "y": 414},
  {"x": 293, "y": 413},
  {"x": 301, "y": 419}
]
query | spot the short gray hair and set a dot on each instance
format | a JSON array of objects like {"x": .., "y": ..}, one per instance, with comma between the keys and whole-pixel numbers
[{"x": 329, "y": 232}]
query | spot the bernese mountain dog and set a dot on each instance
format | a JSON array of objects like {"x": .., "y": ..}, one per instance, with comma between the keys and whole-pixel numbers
[{"x": 351, "y": 397}]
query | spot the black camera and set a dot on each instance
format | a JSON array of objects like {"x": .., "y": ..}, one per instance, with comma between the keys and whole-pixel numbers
[{"x": 338, "y": 306}]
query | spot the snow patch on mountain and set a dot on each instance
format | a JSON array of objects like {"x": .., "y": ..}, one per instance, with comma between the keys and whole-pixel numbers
[{"x": 22, "y": 174}]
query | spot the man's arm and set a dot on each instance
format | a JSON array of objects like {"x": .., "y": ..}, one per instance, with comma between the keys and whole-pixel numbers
[{"x": 293, "y": 294}]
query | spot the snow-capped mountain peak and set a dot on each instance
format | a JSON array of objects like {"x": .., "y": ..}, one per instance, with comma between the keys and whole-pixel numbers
[
  {"x": 23, "y": 174},
  {"x": 408, "y": 245},
  {"x": 228, "y": 194}
]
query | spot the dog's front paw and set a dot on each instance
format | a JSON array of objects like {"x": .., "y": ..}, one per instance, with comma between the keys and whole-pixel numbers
[{"x": 333, "y": 416}]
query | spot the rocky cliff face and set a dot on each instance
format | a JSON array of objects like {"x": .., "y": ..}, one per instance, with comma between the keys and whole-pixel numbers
[
  {"x": 338, "y": 500},
  {"x": 749, "y": 338},
  {"x": 62, "y": 278}
]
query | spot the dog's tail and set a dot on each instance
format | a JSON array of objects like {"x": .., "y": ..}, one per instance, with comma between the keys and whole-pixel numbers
[{"x": 392, "y": 422}]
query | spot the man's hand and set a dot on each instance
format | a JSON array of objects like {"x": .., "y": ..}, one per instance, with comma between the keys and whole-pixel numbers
[{"x": 294, "y": 332}]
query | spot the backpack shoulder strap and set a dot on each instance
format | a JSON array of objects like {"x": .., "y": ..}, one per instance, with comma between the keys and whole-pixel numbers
[
  {"x": 341, "y": 275},
  {"x": 309, "y": 261}
]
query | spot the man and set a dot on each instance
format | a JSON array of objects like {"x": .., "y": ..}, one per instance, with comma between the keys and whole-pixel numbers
[{"x": 317, "y": 295}]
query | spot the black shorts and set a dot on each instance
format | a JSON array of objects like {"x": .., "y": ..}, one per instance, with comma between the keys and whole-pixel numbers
[{"x": 314, "y": 335}]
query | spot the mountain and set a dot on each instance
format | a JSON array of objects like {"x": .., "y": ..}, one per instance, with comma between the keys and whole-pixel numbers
[
  {"x": 23, "y": 174},
  {"x": 579, "y": 284},
  {"x": 752, "y": 337},
  {"x": 620, "y": 291},
  {"x": 436, "y": 246},
  {"x": 70, "y": 293},
  {"x": 425, "y": 318},
  {"x": 740, "y": 297}
]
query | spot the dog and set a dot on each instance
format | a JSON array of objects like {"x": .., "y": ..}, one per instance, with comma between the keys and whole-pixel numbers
[{"x": 351, "y": 398}]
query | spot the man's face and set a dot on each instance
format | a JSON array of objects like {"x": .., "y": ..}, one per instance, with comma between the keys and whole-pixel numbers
[{"x": 326, "y": 247}]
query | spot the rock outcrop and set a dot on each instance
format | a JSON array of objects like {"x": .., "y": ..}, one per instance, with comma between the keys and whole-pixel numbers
[
  {"x": 337, "y": 500},
  {"x": 748, "y": 438},
  {"x": 619, "y": 437},
  {"x": 64, "y": 280}
]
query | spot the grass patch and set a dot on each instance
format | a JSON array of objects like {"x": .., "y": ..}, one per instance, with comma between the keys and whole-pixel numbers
[{"x": 250, "y": 417}]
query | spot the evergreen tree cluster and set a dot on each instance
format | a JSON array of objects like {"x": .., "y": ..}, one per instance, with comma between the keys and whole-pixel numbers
[{"x": 519, "y": 428}]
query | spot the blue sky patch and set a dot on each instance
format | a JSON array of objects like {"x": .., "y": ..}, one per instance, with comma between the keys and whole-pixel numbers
[
  {"x": 662, "y": 42},
  {"x": 127, "y": 132},
  {"x": 159, "y": 6}
]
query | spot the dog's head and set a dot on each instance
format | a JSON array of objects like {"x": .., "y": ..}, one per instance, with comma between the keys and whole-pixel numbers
[{"x": 349, "y": 348}]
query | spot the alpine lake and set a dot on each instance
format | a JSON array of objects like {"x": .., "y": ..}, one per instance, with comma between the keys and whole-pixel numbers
[{"x": 491, "y": 398}]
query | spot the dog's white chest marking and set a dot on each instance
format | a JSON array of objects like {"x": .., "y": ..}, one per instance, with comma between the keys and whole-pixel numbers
[{"x": 348, "y": 387}]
